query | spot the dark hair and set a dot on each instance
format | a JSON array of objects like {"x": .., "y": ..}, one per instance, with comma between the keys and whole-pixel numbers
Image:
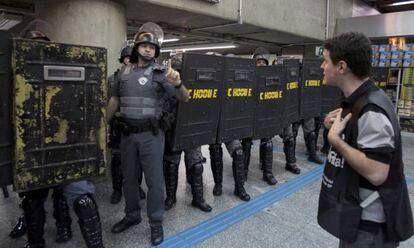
[{"x": 353, "y": 48}]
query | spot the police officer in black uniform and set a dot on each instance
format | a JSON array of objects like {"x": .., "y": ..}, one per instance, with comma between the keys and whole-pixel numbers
[
  {"x": 142, "y": 87},
  {"x": 79, "y": 194},
  {"x": 115, "y": 138},
  {"x": 266, "y": 144},
  {"x": 193, "y": 157},
  {"x": 235, "y": 150}
]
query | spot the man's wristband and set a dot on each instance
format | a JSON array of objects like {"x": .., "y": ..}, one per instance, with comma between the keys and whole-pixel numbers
[{"x": 179, "y": 85}]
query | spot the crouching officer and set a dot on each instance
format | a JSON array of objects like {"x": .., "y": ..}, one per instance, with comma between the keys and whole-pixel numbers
[
  {"x": 142, "y": 87},
  {"x": 115, "y": 138},
  {"x": 77, "y": 194}
]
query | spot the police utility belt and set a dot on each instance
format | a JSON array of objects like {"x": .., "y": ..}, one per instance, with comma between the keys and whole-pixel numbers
[{"x": 141, "y": 126}]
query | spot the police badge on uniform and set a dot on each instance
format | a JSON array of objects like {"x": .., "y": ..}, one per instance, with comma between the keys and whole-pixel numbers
[{"x": 142, "y": 80}]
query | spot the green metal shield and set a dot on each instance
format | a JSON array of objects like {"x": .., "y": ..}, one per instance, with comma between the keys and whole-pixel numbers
[{"x": 58, "y": 114}]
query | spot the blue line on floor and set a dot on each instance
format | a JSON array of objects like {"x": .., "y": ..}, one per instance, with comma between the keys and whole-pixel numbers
[
  {"x": 225, "y": 220},
  {"x": 409, "y": 179}
]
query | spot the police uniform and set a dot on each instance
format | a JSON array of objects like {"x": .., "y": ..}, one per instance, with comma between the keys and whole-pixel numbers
[
  {"x": 114, "y": 143},
  {"x": 140, "y": 91}
]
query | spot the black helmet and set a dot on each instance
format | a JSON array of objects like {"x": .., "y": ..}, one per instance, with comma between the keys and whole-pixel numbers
[
  {"x": 261, "y": 53},
  {"x": 149, "y": 33},
  {"x": 35, "y": 35},
  {"x": 126, "y": 52},
  {"x": 37, "y": 30}
]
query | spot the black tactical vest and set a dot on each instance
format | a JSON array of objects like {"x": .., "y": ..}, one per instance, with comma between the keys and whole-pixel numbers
[
  {"x": 339, "y": 211},
  {"x": 140, "y": 92}
]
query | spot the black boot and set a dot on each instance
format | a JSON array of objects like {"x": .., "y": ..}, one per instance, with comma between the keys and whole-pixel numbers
[
  {"x": 289, "y": 150},
  {"x": 188, "y": 175},
  {"x": 197, "y": 188},
  {"x": 171, "y": 181},
  {"x": 157, "y": 235},
  {"x": 216, "y": 161},
  {"x": 267, "y": 161},
  {"x": 19, "y": 228},
  {"x": 326, "y": 146},
  {"x": 261, "y": 156},
  {"x": 62, "y": 216},
  {"x": 238, "y": 174},
  {"x": 310, "y": 145},
  {"x": 318, "y": 126},
  {"x": 247, "y": 147},
  {"x": 89, "y": 222},
  {"x": 34, "y": 214},
  {"x": 116, "y": 178}
]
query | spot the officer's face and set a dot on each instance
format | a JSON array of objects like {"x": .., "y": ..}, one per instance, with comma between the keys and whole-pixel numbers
[
  {"x": 260, "y": 62},
  {"x": 330, "y": 71},
  {"x": 126, "y": 60},
  {"x": 147, "y": 50}
]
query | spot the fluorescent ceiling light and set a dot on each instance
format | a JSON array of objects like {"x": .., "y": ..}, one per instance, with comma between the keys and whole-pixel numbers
[
  {"x": 186, "y": 49},
  {"x": 8, "y": 20},
  {"x": 401, "y": 3},
  {"x": 170, "y": 40}
]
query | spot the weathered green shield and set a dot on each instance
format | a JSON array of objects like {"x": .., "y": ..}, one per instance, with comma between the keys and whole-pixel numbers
[
  {"x": 58, "y": 114},
  {"x": 6, "y": 137}
]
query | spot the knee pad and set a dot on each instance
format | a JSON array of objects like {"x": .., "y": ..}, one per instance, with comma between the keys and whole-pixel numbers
[
  {"x": 237, "y": 154},
  {"x": 198, "y": 168},
  {"x": 85, "y": 206}
]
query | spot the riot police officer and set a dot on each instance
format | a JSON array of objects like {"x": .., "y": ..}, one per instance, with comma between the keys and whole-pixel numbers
[
  {"x": 266, "y": 144},
  {"x": 79, "y": 194},
  {"x": 142, "y": 86},
  {"x": 115, "y": 139},
  {"x": 193, "y": 157},
  {"x": 235, "y": 150}
]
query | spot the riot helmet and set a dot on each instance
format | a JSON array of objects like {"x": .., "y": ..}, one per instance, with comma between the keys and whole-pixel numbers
[
  {"x": 126, "y": 52},
  {"x": 35, "y": 35},
  {"x": 261, "y": 53},
  {"x": 149, "y": 33},
  {"x": 37, "y": 30}
]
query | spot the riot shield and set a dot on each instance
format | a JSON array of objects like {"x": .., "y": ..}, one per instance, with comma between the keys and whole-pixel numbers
[
  {"x": 292, "y": 91},
  {"x": 59, "y": 113},
  {"x": 271, "y": 85},
  {"x": 238, "y": 99},
  {"x": 330, "y": 98},
  {"x": 380, "y": 76},
  {"x": 6, "y": 134},
  {"x": 311, "y": 77},
  {"x": 197, "y": 120}
]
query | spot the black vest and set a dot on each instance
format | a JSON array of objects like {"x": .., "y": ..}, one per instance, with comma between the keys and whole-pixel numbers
[{"x": 339, "y": 211}]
